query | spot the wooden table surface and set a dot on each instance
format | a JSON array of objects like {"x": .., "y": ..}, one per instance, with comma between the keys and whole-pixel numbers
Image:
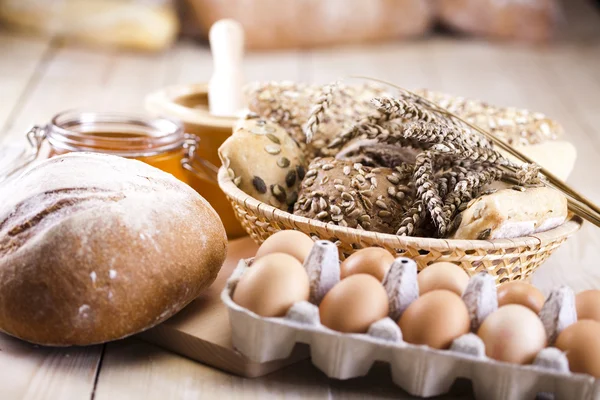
[{"x": 39, "y": 78}]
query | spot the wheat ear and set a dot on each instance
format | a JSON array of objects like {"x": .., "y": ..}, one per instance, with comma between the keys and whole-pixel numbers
[{"x": 318, "y": 111}]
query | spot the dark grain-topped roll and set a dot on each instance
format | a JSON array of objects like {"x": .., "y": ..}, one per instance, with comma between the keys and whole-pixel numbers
[
  {"x": 352, "y": 195},
  {"x": 95, "y": 247}
]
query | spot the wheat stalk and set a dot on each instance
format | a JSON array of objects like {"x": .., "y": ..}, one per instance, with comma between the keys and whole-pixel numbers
[
  {"x": 426, "y": 189},
  {"x": 392, "y": 108},
  {"x": 468, "y": 188},
  {"x": 412, "y": 219},
  {"x": 448, "y": 180},
  {"x": 318, "y": 111}
]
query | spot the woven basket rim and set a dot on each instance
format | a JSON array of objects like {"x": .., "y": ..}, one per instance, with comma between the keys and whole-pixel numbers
[{"x": 568, "y": 228}]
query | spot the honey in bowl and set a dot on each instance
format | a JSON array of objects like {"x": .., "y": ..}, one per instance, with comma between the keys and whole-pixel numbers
[
  {"x": 159, "y": 142},
  {"x": 189, "y": 103}
]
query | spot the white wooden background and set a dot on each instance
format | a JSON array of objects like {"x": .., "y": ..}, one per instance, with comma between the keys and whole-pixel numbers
[{"x": 39, "y": 78}]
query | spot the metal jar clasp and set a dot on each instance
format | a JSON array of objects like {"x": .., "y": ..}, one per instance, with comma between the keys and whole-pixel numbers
[
  {"x": 35, "y": 136},
  {"x": 192, "y": 160}
]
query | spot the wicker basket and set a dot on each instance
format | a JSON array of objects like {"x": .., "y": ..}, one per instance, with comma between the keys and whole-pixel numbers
[{"x": 505, "y": 259}]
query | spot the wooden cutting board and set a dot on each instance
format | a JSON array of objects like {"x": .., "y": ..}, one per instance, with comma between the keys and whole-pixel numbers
[{"x": 201, "y": 331}]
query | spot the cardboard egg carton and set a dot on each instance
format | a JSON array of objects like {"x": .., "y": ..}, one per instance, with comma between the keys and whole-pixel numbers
[{"x": 418, "y": 369}]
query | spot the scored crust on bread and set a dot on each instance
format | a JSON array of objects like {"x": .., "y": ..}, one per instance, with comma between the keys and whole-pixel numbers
[{"x": 96, "y": 247}]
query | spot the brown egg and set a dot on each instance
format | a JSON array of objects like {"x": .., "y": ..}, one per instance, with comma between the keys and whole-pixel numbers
[
  {"x": 513, "y": 333},
  {"x": 522, "y": 293},
  {"x": 374, "y": 261},
  {"x": 435, "y": 319},
  {"x": 443, "y": 275},
  {"x": 581, "y": 343},
  {"x": 272, "y": 285},
  {"x": 353, "y": 304},
  {"x": 588, "y": 305},
  {"x": 294, "y": 243}
]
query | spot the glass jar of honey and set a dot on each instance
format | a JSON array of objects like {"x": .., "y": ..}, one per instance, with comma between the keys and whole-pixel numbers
[{"x": 160, "y": 142}]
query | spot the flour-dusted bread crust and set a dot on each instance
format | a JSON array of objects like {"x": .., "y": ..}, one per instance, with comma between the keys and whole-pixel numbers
[
  {"x": 510, "y": 213},
  {"x": 95, "y": 247}
]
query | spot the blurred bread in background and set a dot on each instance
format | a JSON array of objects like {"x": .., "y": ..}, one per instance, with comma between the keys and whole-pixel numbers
[
  {"x": 135, "y": 24},
  {"x": 525, "y": 20},
  {"x": 273, "y": 24},
  {"x": 280, "y": 24}
]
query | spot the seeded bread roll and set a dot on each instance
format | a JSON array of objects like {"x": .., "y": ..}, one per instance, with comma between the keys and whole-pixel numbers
[
  {"x": 96, "y": 247},
  {"x": 264, "y": 161},
  {"x": 354, "y": 196}
]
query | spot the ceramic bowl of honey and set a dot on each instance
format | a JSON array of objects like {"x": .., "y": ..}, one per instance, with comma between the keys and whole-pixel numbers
[{"x": 189, "y": 104}]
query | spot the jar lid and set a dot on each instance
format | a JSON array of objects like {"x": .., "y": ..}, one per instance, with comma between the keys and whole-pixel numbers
[{"x": 126, "y": 135}]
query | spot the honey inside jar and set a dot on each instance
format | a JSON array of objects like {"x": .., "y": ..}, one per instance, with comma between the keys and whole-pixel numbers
[{"x": 158, "y": 142}]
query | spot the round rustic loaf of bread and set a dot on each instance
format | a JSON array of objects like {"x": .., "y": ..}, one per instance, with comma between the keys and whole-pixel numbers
[{"x": 96, "y": 247}]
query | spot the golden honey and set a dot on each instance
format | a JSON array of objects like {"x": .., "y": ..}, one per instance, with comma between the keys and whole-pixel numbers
[{"x": 189, "y": 103}]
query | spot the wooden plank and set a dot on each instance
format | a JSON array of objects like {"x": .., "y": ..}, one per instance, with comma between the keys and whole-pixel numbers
[
  {"x": 573, "y": 72},
  {"x": 133, "y": 369},
  {"x": 71, "y": 78},
  {"x": 194, "y": 65},
  {"x": 94, "y": 80},
  {"x": 22, "y": 58},
  {"x": 86, "y": 79},
  {"x": 129, "y": 78},
  {"x": 407, "y": 65},
  {"x": 33, "y": 372}
]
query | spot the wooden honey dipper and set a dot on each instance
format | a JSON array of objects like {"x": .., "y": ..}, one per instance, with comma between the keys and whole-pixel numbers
[
  {"x": 225, "y": 96},
  {"x": 209, "y": 111}
]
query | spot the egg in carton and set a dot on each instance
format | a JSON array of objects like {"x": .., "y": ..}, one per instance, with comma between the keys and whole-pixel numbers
[{"x": 418, "y": 369}]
